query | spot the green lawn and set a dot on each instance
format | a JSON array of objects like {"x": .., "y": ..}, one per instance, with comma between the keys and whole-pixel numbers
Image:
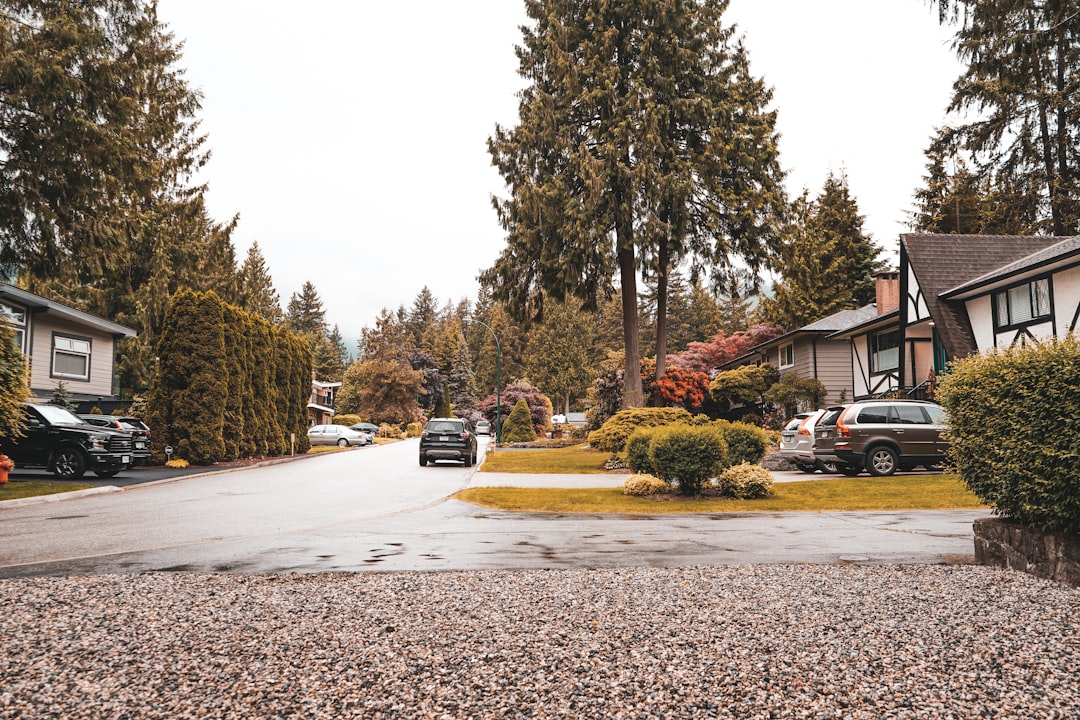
[
  {"x": 906, "y": 492},
  {"x": 22, "y": 489},
  {"x": 575, "y": 459}
]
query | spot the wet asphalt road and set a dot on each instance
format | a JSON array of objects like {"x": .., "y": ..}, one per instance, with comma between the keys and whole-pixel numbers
[{"x": 376, "y": 509}]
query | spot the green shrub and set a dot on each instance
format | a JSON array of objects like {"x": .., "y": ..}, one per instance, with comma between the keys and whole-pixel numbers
[
  {"x": 346, "y": 419},
  {"x": 746, "y": 442},
  {"x": 613, "y": 434},
  {"x": 643, "y": 485},
  {"x": 1014, "y": 419},
  {"x": 518, "y": 427},
  {"x": 746, "y": 481},
  {"x": 687, "y": 455},
  {"x": 637, "y": 451},
  {"x": 414, "y": 429}
]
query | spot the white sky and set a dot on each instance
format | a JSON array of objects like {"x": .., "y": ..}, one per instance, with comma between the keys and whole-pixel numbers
[{"x": 350, "y": 137}]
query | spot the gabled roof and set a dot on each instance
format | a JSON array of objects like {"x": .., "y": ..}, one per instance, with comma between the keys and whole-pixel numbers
[
  {"x": 1060, "y": 254},
  {"x": 827, "y": 326},
  {"x": 38, "y": 304},
  {"x": 943, "y": 262}
]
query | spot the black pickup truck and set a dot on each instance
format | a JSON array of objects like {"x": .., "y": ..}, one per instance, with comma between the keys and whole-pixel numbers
[{"x": 61, "y": 442}]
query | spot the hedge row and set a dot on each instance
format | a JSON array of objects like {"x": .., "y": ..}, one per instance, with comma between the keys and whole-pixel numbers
[
  {"x": 1014, "y": 424},
  {"x": 229, "y": 384}
]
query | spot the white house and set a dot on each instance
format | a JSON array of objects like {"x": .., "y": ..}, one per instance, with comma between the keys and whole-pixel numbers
[{"x": 963, "y": 294}]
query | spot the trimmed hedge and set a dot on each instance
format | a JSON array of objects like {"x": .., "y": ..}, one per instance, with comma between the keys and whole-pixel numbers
[
  {"x": 1014, "y": 424},
  {"x": 746, "y": 443},
  {"x": 745, "y": 481},
  {"x": 613, "y": 434},
  {"x": 644, "y": 485},
  {"x": 687, "y": 455}
]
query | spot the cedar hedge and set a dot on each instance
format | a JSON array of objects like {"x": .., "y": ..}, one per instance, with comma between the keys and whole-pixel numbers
[{"x": 1014, "y": 424}]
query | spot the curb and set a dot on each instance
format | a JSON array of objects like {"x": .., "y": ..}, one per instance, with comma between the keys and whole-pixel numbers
[{"x": 57, "y": 497}]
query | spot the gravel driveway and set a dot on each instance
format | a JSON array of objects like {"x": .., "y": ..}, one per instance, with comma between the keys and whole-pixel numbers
[{"x": 752, "y": 641}]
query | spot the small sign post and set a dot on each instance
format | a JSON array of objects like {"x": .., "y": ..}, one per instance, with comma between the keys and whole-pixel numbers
[{"x": 168, "y": 453}]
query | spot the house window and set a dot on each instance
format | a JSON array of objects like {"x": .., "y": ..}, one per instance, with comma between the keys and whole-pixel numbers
[
  {"x": 71, "y": 357},
  {"x": 884, "y": 350},
  {"x": 16, "y": 320},
  {"x": 787, "y": 355},
  {"x": 1022, "y": 304}
]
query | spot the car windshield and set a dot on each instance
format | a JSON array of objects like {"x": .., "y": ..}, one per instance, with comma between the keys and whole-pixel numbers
[{"x": 58, "y": 416}]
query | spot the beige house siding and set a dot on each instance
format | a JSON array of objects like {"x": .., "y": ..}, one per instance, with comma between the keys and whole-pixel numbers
[
  {"x": 829, "y": 362},
  {"x": 42, "y": 384}
]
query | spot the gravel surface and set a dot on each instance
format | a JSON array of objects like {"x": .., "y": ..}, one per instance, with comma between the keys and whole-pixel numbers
[{"x": 802, "y": 641}]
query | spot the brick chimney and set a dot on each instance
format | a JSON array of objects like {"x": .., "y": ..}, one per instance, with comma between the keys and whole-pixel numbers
[{"x": 888, "y": 292}]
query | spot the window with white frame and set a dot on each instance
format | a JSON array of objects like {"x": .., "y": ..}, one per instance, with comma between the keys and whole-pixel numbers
[
  {"x": 16, "y": 320},
  {"x": 787, "y": 355},
  {"x": 71, "y": 357},
  {"x": 884, "y": 350},
  {"x": 1022, "y": 304}
]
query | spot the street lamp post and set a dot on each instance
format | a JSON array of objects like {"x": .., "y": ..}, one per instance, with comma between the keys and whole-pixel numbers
[{"x": 498, "y": 383}]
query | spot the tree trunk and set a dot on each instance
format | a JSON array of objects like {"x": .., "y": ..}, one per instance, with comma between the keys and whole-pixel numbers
[
  {"x": 632, "y": 393},
  {"x": 662, "y": 260}
]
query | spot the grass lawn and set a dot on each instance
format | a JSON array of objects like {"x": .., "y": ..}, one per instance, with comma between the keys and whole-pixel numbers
[
  {"x": 567, "y": 460},
  {"x": 31, "y": 488},
  {"x": 907, "y": 492}
]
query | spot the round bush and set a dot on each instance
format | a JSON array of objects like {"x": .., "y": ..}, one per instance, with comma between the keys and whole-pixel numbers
[
  {"x": 637, "y": 451},
  {"x": 687, "y": 455},
  {"x": 613, "y": 434},
  {"x": 1014, "y": 419},
  {"x": 644, "y": 485},
  {"x": 414, "y": 429},
  {"x": 745, "y": 481},
  {"x": 746, "y": 443}
]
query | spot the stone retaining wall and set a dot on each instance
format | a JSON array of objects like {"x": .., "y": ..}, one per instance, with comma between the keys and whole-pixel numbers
[{"x": 1044, "y": 554}]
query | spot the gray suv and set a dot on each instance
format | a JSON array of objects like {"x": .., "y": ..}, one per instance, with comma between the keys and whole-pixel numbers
[{"x": 882, "y": 436}]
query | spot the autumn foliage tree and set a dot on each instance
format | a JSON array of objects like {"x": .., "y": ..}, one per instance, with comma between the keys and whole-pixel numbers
[{"x": 703, "y": 357}]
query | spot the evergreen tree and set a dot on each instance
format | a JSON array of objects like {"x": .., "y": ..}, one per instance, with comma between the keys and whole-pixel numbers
[
  {"x": 305, "y": 314},
  {"x": 642, "y": 137},
  {"x": 382, "y": 390},
  {"x": 257, "y": 293},
  {"x": 704, "y": 319},
  {"x": 422, "y": 316},
  {"x": 518, "y": 426},
  {"x": 14, "y": 388},
  {"x": 461, "y": 382},
  {"x": 828, "y": 263},
  {"x": 557, "y": 353},
  {"x": 390, "y": 339},
  {"x": 1017, "y": 105}
]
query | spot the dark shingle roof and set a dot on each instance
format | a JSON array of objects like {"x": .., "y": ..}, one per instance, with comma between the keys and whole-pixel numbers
[
  {"x": 1062, "y": 251},
  {"x": 843, "y": 320},
  {"x": 942, "y": 262}
]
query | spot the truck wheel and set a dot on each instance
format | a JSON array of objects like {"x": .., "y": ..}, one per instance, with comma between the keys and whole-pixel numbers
[{"x": 69, "y": 464}]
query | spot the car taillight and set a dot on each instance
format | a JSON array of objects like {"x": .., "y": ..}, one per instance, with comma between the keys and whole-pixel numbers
[
  {"x": 842, "y": 430},
  {"x": 802, "y": 428}
]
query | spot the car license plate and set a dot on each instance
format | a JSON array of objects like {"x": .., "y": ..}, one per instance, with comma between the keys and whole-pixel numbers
[
  {"x": 443, "y": 438},
  {"x": 125, "y": 459}
]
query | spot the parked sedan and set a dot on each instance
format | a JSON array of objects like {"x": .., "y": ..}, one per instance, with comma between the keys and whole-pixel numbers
[
  {"x": 337, "y": 435},
  {"x": 797, "y": 443},
  {"x": 370, "y": 428},
  {"x": 483, "y": 427}
]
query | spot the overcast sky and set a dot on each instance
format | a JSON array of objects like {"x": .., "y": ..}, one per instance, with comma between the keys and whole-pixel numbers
[{"x": 350, "y": 137}]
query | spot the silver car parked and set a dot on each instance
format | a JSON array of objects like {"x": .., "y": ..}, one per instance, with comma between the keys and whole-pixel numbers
[
  {"x": 797, "y": 443},
  {"x": 337, "y": 435}
]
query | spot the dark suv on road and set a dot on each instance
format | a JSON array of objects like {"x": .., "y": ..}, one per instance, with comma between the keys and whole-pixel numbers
[
  {"x": 61, "y": 442},
  {"x": 882, "y": 436},
  {"x": 448, "y": 439}
]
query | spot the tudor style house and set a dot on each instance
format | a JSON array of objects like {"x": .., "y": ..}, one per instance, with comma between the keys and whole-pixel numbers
[
  {"x": 63, "y": 345},
  {"x": 964, "y": 294},
  {"x": 819, "y": 351}
]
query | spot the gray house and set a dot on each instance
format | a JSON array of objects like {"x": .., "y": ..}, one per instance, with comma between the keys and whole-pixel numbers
[{"x": 62, "y": 344}]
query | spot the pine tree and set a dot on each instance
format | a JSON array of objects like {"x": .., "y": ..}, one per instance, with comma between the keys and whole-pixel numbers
[
  {"x": 14, "y": 388},
  {"x": 1016, "y": 105},
  {"x": 642, "y": 139},
  {"x": 557, "y": 353},
  {"x": 305, "y": 314},
  {"x": 518, "y": 426},
  {"x": 461, "y": 383},
  {"x": 257, "y": 293},
  {"x": 422, "y": 317}
]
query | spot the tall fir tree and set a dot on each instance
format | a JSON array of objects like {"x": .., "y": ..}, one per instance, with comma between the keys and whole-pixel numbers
[
  {"x": 634, "y": 107},
  {"x": 305, "y": 314},
  {"x": 257, "y": 292},
  {"x": 1016, "y": 104}
]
